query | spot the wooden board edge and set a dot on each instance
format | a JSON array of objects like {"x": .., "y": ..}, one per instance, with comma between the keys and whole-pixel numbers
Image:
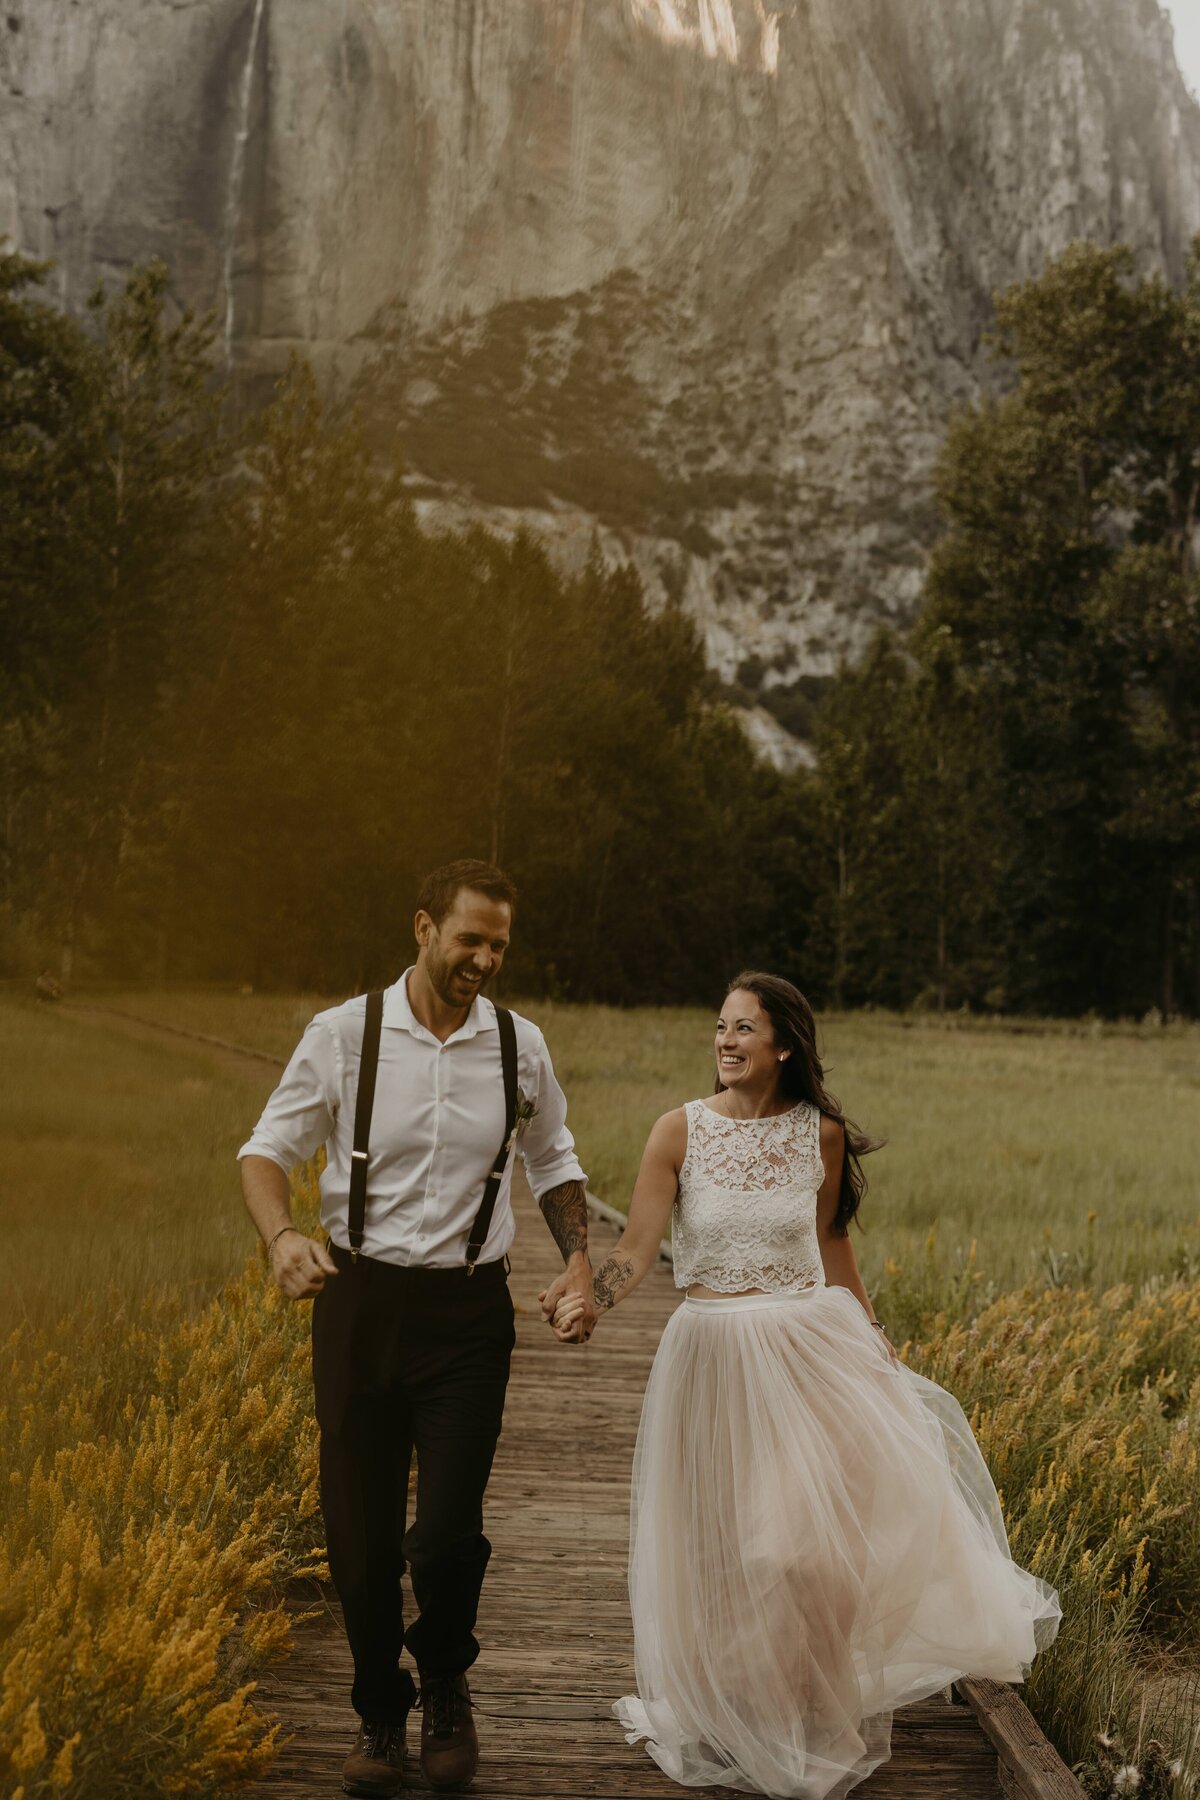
[{"x": 1030, "y": 1766}]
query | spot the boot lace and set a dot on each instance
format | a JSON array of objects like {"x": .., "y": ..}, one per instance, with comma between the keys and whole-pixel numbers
[
  {"x": 374, "y": 1740},
  {"x": 442, "y": 1704}
]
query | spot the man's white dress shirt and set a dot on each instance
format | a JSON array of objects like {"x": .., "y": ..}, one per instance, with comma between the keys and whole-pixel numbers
[{"x": 437, "y": 1125}]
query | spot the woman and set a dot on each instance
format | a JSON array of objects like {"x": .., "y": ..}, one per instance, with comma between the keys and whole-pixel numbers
[{"x": 815, "y": 1539}]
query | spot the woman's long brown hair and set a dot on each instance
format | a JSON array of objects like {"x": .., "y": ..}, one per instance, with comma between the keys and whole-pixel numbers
[{"x": 802, "y": 1077}]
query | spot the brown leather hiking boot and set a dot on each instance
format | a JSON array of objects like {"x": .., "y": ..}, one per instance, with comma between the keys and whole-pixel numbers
[
  {"x": 449, "y": 1745},
  {"x": 376, "y": 1763}
]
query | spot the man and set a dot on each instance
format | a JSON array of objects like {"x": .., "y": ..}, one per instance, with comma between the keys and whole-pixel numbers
[{"x": 412, "y": 1334}]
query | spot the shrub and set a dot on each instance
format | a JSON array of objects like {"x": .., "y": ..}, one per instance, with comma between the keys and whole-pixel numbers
[{"x": 162, "y": 1489}]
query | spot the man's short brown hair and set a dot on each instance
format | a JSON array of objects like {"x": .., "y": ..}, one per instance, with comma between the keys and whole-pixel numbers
[{"x": 441, "y": 888}]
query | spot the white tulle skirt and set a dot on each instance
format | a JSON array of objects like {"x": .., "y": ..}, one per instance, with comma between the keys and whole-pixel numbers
[{"x": 815, "y": 1541}]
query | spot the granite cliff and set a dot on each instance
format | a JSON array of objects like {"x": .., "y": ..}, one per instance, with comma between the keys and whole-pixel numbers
[{"x": 703, "y": 275}]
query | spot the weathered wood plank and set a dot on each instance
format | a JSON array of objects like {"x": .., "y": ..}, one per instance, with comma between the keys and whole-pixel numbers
[{"x": 1030, "y": 1767}]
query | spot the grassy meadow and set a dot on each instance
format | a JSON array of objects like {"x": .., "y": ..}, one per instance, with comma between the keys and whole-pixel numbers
[
  {"x": 119, "y": 1180},
  {"x": 156, "y": 1424},
  {"x": 1007, "y": 1137}
]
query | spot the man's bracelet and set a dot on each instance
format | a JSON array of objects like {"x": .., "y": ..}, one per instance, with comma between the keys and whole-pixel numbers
[{"x": 278, "y": 1235}]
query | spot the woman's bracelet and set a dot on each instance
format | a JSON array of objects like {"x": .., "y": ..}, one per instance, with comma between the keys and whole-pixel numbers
[
  {"x": 878, "y": 1325},
  {"x": 278, "y": 1235}
]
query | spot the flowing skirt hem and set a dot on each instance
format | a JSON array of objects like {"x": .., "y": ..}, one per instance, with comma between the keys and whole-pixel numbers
[
  {"x": 815, "y": 1542},
  {"x": 693, "y": 1769}
]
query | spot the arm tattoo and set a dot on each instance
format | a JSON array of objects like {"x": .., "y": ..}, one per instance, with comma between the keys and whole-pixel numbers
[
  {"x": 610, "y": 1278},
  {"x": 565, "y": 1212}
]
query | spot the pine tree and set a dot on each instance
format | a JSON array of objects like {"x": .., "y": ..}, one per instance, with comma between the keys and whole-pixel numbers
[
  {"x": 1066, "y": 581},
  {"x": 118, "y": 442}
]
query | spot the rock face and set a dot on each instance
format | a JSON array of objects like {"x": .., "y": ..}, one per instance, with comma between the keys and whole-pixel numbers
[{"x": 704, "y": 276}]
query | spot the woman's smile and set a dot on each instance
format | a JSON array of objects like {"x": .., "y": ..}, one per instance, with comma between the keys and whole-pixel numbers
[{"x": 744, "y": 1044}]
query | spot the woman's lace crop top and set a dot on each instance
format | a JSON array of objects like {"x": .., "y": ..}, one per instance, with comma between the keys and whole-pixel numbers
[{"x": 746, "y": 1214}]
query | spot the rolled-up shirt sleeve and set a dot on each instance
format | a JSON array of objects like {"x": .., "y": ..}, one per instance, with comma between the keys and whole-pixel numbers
[
  {"x": 300, "y": 1114},
  {"x": 546, "y": 1146}
]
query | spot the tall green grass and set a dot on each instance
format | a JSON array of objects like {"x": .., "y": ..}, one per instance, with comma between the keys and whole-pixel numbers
[{"x": 119, "y": 1179}]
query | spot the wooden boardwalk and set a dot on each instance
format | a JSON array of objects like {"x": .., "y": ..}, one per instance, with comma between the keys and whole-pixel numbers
[{"x": 554, "y": 1621}]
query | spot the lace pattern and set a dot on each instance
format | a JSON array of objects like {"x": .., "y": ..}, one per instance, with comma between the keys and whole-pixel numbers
[{"x": 746, "y": 1213}]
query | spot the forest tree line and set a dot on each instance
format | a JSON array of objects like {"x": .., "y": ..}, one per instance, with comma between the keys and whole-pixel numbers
[{"x": 248, "y": 699}]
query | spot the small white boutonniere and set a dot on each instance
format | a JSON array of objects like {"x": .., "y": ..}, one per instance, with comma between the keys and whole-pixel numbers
[{"x": 526, "y": 1110}]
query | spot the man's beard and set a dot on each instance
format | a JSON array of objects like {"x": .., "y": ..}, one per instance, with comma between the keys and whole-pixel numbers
[{"x": 441, "y": 979}]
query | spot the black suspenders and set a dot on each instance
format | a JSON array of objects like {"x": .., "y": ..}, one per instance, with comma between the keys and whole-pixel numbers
[
  {"x": 364, "y": 1104},
  {"x": 483, "y": 1218},
  {"x": 368, "y": 1068}
]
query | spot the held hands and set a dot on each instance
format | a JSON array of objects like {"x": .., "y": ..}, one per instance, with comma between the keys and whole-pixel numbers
[
  {"x": 568, "y": 1320},
  {"x": 569, "y": 1308},
  {"x": 299, "y": 1264}
]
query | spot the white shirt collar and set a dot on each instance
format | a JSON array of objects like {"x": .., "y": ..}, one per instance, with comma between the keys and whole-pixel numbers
[{"x": 398, "y": 1013}]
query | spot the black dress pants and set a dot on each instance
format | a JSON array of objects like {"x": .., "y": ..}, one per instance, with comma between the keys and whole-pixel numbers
[{"x": 408, "y": 1359}]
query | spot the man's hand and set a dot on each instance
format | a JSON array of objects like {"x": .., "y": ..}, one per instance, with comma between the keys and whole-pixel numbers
[
  {"x": 574, "y": 1288},
  {"x": 300, "y": 1265},
  {"x": 564, "y": 1209},
  {"x": 551, "y": 1296}
]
